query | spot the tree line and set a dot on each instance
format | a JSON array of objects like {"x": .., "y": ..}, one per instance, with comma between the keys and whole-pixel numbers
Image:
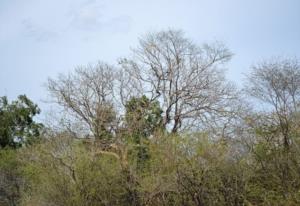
[{"x": 163, "y": 126}]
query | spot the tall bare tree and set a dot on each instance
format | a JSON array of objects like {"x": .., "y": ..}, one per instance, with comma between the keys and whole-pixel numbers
[
  {"x": 87, "y": 94},
  {"x": 187, "y": 79},
  {"x": 276, "y": 82}
]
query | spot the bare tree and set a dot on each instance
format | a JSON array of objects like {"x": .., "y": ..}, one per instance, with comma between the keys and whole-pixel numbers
[
  {"x": 188, "y": 80},
  {"x": 277, "y": 83},
  {"x": 87, "y": 94}
]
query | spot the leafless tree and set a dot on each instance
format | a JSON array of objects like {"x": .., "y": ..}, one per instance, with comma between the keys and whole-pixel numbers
[
  {"x": 88, "y": 95},
  {"x": 187, "y": 79},
  {"x": 276, "y": 82}
]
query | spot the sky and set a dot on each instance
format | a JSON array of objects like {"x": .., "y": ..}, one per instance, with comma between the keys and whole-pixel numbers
[{"x": 42, "y": 38}]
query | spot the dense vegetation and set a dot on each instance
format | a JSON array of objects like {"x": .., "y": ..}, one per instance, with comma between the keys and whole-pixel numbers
[{"x": 162, "y": 127}]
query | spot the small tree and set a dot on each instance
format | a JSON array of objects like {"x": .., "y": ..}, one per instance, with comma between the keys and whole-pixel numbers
[{"x": 142, "y": 119}]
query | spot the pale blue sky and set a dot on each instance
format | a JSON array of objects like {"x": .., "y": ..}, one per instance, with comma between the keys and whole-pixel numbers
[{"x": 41, "y": 38}]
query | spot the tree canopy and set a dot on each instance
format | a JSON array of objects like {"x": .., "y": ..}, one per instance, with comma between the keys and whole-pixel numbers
[{"x": 17, "y": 122}]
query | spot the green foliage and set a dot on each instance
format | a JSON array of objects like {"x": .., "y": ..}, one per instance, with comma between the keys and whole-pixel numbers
[
  {"x": 142, "y": 117},
  {"x": 187, "y": 169},
  {"x": 191, "y": 170},
  {"x": 16, "y": 122},
  {"x": 11, "y": 178},
  {"x": 63, "y": 172},
  {"x": 275, "y": 167}
]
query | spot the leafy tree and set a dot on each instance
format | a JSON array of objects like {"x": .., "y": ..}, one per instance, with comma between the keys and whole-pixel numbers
[
  {"x": 143, "y": 118},
  {"x": 16, "y": 122}
]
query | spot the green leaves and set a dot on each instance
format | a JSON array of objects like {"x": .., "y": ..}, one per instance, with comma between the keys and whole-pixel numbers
[
  {"x": 143, "y": 117},
  {"x": 17, "y": 126}
]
